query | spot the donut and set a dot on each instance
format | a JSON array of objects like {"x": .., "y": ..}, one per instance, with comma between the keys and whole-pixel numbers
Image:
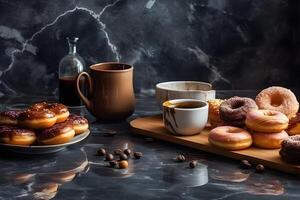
[
  {"x": 233, "y": 111},
  {"x": 57, "y": 134},
  {"x": 79, "y": 123},
  {"x": 268, "y": 140},
  {"x": 230, "y": 138},
  {"x": 266, "y": 121},
  {"x": 60, "y": 110},
  {"x": 278, "y": 99},
  {"x": 17, "y": 136},
  {"x": 294, "y": 125},
  {"x": 9, "y": 117},
  {"x": 290, "y": 149},
  {"x": 214, "y": 113},
  {"x": 37, "y": 119}
]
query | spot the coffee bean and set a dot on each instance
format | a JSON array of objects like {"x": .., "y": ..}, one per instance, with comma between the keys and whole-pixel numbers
[
  {"x": 109, "y": 157},
  {"x": 245, "y": 164},
  {"x": 113, "y": 163},
  {"x": 137, "y": 155},
  {"x": 117, "y": 152},
  {"x": 127, "y": 152},
  {"x": 123, "y": 156},
  {"x": 123, "y": 164},
  {"x": 180, "y": 158},
  {"x": 259, "y": 168},
  {"x": 101, "y": 152},
  {"x": 193, "y": 164}
]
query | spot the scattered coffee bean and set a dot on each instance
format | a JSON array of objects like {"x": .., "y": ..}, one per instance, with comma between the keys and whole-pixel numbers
[
  {"x": 127, "y": 152},
  {"x": 117, "y": 152},
  {"x": 137, "y": 155},
  {"x": 180, "y": 158},
  {"x": 259, "y": 168},
  {"x": 193, "y": 164},
  {"x": 123, "y": 164},
  {"x": 109, "y": 157},
  {"x": 113, "y": 163},
  {"x": 101, "y": 152},
  {"x": 245, "y": 164},
  {"x": 149, "y": 140},
  {"x": 123, "y": 156}
]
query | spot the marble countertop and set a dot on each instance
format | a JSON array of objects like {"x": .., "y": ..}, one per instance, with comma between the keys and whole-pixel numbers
[{"x": 77, "y": 173}]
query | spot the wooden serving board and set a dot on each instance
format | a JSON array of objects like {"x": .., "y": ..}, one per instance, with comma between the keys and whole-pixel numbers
[{"x": 153, "y": 126}]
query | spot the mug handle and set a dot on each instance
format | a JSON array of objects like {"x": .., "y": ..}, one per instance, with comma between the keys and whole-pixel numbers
[{"x": 85, "y": 99}]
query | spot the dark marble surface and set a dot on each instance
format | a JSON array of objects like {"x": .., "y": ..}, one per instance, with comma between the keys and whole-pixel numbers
[
  {"x": 76, "y": 173},
  {"x": 245, "y": 44}
]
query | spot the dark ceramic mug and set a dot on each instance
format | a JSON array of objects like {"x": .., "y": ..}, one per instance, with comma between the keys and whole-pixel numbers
[{"x": 110, "y": 90}]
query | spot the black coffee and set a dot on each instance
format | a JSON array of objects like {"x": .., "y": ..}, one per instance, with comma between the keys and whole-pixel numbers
[
  {"x": 188, "y": 105},
  {"x": 67, "y": 91}
]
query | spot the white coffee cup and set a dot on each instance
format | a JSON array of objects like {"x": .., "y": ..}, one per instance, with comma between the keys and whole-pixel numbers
[
  {"x": 184, "y": 90},
  {"x": 185, "y": 116}
]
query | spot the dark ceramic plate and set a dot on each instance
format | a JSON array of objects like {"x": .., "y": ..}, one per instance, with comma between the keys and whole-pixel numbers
[{"x": 44, "y": 149}]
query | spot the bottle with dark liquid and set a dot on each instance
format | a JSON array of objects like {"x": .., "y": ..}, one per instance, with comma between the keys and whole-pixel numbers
[{"x": 69, "y": 67}]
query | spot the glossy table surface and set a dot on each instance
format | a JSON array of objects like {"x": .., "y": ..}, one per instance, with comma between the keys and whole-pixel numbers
[{"x": 77, "y": 173}]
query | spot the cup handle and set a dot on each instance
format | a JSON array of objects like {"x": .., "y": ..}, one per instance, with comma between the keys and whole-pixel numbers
[{"x": 85, "y": 99}]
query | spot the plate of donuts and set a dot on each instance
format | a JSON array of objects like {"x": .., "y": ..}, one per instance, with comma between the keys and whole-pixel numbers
[
  {"x": 44, "y": 149},
  {"x": 41, "y": 128}
]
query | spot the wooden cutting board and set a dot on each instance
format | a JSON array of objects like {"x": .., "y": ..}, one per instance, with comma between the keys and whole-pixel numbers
[{"x": 153, "y": 126}]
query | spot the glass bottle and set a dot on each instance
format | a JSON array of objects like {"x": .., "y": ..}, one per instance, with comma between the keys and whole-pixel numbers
[{"x": 69, "y": 67}]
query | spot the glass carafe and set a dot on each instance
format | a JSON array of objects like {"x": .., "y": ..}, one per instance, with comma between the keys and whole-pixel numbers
[{"x": 69, "y": 67}]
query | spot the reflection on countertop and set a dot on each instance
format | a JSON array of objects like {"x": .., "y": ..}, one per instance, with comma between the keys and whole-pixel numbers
[
  {"x": 78, "y": 173},
  {"x": 41, "y": 177}
]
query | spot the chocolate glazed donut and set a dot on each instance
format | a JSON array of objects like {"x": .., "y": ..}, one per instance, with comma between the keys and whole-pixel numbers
[
  {"x": 290, "y": 149},
  {"x": 234, "y": 110}
]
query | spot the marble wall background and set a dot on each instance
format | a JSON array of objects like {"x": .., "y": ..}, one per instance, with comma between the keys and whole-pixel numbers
[{"x": 245, "y": 44}]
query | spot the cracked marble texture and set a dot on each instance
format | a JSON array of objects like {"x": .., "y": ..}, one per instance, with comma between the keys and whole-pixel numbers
[
  {"x": 77, "y": 173},
  {"x": 232, "y": 44}
]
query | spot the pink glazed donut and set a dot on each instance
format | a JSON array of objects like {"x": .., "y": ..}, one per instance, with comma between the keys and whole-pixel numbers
[{"x": 230, "y": 138}]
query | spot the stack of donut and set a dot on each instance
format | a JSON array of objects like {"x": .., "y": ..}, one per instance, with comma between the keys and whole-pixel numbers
[
  {"x": 261, "y": 122},
  {"x": 233, "y": 113},
  {"x": 267, "y": 128},
  {"x": 42, "y": 123},
  {"x": 268, "y": 125}
]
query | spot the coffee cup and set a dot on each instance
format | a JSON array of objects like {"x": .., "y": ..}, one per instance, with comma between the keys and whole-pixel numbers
[
  {"x": 184, "y": 90},
  {"x": 185, "y": 116},
  {"x": 110, "y": 90}
]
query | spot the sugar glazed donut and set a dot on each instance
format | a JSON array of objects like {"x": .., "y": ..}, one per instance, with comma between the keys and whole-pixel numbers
[
  {"x": 278, "y": 99},
  {"x": 267, "y": 121},
  {"x": 214, "y": 112},
  {"x": 290, "y": 149},
  {"x": 268, "y": 140},
  {"x": 9, "y": 117},
  {"x": 37, "y": 119},
  {"x": 294, "y": 125},
  {"x": 234, "y": 110},
  {"x": 61, "y": 111},
  {"x": 57, "y": 134},
  {"x": 17, "y": 136},
  {"x": 79, "y": 123},
  {"x": 230, "y": 138}
]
